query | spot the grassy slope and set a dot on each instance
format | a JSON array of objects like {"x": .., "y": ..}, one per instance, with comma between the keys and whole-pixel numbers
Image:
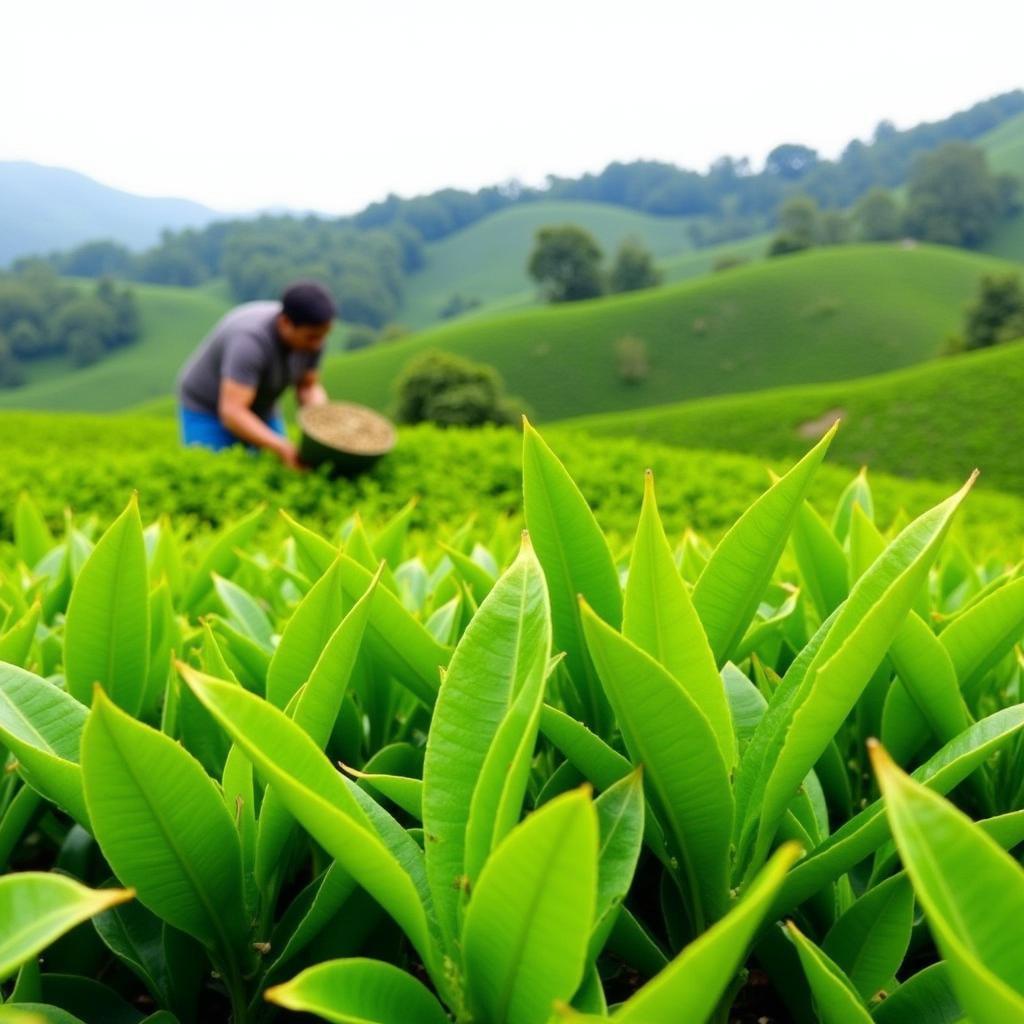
[
  {"x": 487, "y": 261},
  {"x": 824, "y": 315},
  {"x": 1005, "y": 148},
  {"x": 174, "y": 320},
  {"x": 940, "y": 420}
]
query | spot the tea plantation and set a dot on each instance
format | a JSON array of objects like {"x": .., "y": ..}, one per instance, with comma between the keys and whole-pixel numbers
[{"x": 387, "y": 763}]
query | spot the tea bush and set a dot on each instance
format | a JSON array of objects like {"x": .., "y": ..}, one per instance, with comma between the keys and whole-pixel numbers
[{"x": 371, "y": 775}]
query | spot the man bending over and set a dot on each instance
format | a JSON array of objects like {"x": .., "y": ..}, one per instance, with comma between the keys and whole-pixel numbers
[{"x": 228, "y": 390}]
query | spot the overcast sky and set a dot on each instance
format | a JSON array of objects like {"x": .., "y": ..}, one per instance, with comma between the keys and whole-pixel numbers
[{"x": 329, "y": 104}]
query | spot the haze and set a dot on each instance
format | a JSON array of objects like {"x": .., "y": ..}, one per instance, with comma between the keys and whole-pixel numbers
[{"x": 328, "y": 105}]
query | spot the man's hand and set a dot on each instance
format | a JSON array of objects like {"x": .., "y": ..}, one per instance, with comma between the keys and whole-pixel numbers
[
  {"x": 289, "y": 455},
  {"x": 309, "y": 390}
]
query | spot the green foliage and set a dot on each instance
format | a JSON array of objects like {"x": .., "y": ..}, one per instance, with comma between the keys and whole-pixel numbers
[
  {"x": 877, "y": 217},
  {"x": 632, "y": 269},
  {"x": 439, "y": 388},
  {"x": 953, "y": 198},
  {"x": 566, "y": 263},
  {"x": 577, "y": 771},
  {"x": 997, "y": 314},
  {"x": 41, "y": 316}
]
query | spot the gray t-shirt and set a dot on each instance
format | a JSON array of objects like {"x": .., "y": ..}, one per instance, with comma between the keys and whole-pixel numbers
[{"x": 244, "y": 347}]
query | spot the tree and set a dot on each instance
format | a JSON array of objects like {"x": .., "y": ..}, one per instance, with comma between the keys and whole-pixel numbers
[
  {"x": 790, "y": 161},
  {"x": 442, "y": 388},
  {"x": 11, "y": 373},
  {"x": 566, "y": 262},
  {"x": 833, "y": 228},
  {"x": 85, "y": 327},
  {"x": 84, "y": 347},
  {"x": 953, "y": 199},
  {"x": 997, "y": 314},
  {"x": 799, "y": 226},
  {"x": 878, "y": 217},
  {"x": 633, "y": 268}
]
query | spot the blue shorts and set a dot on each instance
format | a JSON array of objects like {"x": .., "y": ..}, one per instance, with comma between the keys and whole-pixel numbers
[{"x": 206, "y": 431}]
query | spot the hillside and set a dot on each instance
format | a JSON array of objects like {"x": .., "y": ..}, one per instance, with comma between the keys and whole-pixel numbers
[
  {"x": 487, "y": 261},
  {"x": 174, "y": 320},
  {"x": 47, "y": 208},
  {"x": 1005, "y": 148},
  {"x": 940, "y": 420},
  {"x": 819, "y": 316}
]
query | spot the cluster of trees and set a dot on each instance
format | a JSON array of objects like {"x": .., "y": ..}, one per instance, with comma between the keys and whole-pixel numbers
[
  {"x": 568, "y": 264},
  {"x": 42, "y": 316},
  {"x": 730, "y": 192},
  {"x": 365, "y": 258},
  {"x": 953, "y": 198},
  {"x": 364, "y": 268}
]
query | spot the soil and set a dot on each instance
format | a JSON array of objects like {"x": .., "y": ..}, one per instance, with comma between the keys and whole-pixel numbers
[
  {"x": 815, "y": 429},
  {"x": 349, "y": 428}
]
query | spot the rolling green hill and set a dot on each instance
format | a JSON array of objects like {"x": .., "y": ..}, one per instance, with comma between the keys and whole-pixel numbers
[
  {"x": 940, "y": 420},
  {"x": 174, "y": 320},
  {"x": 818, "y": 316},
  {"x": 1005, "y": 148},
  {"x": 487, "y": 261}
]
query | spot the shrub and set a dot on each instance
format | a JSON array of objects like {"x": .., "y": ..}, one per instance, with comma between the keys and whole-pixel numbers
[
  {"x": 631, "y": 360},
  {"x": 997, "y": 314},
  {"x": 441, "y": 388}
]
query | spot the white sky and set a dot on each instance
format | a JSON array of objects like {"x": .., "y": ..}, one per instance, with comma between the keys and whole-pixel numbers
[{"x": 329, "y": 104}]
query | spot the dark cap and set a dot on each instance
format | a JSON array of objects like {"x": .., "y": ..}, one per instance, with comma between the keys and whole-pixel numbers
[{"x": 308, "y": 302}]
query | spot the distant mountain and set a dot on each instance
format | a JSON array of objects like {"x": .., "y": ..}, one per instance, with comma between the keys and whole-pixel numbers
[{"x": 47, "y": 208}]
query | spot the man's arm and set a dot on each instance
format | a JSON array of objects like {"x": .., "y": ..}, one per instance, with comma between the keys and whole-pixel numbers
[
  {"x": 309, "y": 390},
  {"x": 234, "y": 409}
]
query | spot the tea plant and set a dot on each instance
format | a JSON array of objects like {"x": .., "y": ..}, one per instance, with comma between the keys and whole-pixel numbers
[{"x": 378, "y": 776}]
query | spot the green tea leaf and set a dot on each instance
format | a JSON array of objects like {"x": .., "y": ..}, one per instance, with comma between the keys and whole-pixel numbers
[
  {"x": 851, "y": 650},
  {"x": 620, "y": 822},
  {"x": 37, "y": 908},
  {"x": 496, "y": 674},
  {"x": 865, "y": 832},
  {"x": 163, "y": 827},
  {"x": 926, "y": 998},
  {"x": 16, "y": 643},
  {"x": 730, "y": 587},
  {"x": 316, "y": 795},
  {"x": 576, "y": 561},
  {"x": 659, "y": 617},
  {"x": 359, "y": 992},
  {"x": 694, "y": 982},
  {"x": 305, "y": 636},
  {"x": 107, "y": 631},
  {"x": 870, "y": 940},
  {"x": 685, "y": 777},
  {"x": 530, "y": 915},
  {"x": 221, "y": 557},
  {"x": 32, "y": 537},
  {"x": 834, "y": 994},
  {"x": 42, "y": 726},
  {"x": 972, "y": 893},
  {"x": 977, "y": 639},
  {"x": 821, "y": 561}
]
